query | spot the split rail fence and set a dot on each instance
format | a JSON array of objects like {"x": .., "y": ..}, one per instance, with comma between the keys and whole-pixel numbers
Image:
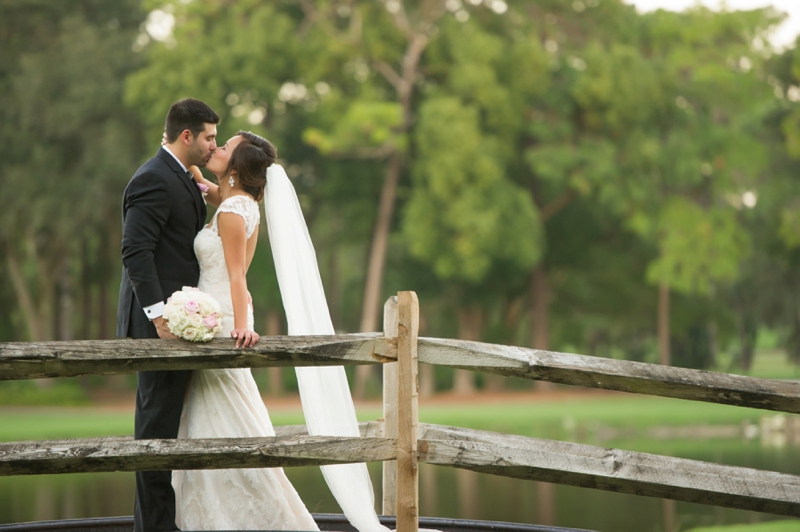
[{"x": 398, "y": 440}]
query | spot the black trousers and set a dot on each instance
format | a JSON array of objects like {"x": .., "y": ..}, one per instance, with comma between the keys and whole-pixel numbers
[{"x": 159, "y": 401}]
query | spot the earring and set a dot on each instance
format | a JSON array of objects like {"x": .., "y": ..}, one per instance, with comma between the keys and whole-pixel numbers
[{"x": 230, "y": 180}]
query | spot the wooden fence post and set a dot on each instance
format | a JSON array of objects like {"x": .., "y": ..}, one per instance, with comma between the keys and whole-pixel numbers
[
  {"x": 407, "y": 413},
  {"x": 390, "y": 409}
]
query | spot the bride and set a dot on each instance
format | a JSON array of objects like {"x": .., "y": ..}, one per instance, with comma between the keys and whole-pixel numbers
[{"x": 226, "y": 403}]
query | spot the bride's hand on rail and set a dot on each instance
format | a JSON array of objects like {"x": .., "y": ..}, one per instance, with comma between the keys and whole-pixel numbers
[{"x": 244, "y": 337}]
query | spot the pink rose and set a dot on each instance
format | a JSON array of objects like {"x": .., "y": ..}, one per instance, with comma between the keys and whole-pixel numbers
[
  {"x": 191, "y": 307},
  {"x": 203, "y": 187},
  {"x": 210, "y": 321}
]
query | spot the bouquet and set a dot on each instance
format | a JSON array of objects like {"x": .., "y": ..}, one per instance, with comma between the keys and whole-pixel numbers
[{"x": 193, "y": 315}]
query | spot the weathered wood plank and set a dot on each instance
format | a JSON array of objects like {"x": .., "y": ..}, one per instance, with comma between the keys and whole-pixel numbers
[
  {"x": 389, "y": 480},
  {"x": 101, "y": 357},
  {"x": 486, "y": 452},
  {"x": 611, "y": 469},
  {"x": 609, "y": 374},
  {"x": 407, "y": 412},
  {"x": 29, "y": 360},
  {"x": 127, "y": 454}
]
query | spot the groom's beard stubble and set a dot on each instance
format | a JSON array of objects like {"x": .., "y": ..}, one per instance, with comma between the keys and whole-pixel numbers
[{"x": 197, "y": 157}]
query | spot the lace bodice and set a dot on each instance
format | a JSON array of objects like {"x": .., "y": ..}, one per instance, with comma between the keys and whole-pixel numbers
[
  {"x": 211, "y": 256},
  {"x": 244, "y": 206}
]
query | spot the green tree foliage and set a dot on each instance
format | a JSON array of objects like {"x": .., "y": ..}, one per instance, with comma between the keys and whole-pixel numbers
[
  {"x": 464, "y": 213},
  {"x": 550, "y": 162},
  {"x": 72, "y": 146}
]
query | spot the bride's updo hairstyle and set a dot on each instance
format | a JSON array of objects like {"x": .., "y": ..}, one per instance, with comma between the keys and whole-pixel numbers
[{"x": 250, "y": 161}]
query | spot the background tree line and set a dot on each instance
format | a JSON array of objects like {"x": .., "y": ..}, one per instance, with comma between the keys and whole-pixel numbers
[{"x": 571, "y": 176}]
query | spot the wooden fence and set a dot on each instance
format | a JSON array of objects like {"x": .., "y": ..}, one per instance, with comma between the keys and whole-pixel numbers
[{"x": 398, "y": 439}]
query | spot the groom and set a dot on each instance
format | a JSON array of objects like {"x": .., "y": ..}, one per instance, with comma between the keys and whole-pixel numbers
[{"x": 162, "y": 211}]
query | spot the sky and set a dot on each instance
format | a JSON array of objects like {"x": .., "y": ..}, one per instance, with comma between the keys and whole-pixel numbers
[{"x": 783, "y": 36}]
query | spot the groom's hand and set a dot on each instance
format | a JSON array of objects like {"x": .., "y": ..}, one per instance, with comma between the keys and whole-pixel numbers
[{"x": 162, "y": 329}]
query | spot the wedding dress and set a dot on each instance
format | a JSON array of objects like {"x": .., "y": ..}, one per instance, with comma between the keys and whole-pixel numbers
[{"x": 225, "y": 403}]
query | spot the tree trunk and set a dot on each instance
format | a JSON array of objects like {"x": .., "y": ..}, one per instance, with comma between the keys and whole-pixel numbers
[
  {"x": 546, "y": 502},
  {"x": 512, "y": 311},
  {"x": 275, "y": 374},
  {"x": 333, "y": 285},
  {"x": 540, "y": 316},
  {"x": 371, "y": 306},
  {"x": 103, "y": 309},
  {"x": 470, "y": 327},
  {"x": 747, "y": 338},
  {"x": 663, "y": 325},
  {"x": 713, "y": 341},
  {"x": 668, "y": 508},
  {"x": 39, "y": 317},
  {"x": 540, "y": 309},
  {"x": 106, "y": 321},
  {"x": 86, "y": 295},
  {"x": 65, "y": 306},
  {"x": 469, "y": 499},
  {"x": 35, "y": 330}
]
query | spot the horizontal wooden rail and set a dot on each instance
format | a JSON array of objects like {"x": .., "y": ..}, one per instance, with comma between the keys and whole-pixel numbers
[
  {"x": 127, "y": 454},
  {"x": 103, "y": 357},
  {"x": 610, "y": 374},
  {"x": 32, "y": 360},
  {"x": 485, "y": 452},
  {"x": 611, "y": 469}
]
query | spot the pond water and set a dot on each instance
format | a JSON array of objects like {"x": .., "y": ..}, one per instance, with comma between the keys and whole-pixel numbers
[{"x": 443, "y": 493}]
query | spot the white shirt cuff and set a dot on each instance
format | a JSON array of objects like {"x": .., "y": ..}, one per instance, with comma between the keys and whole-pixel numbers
[{"x": 154, "y": 311}]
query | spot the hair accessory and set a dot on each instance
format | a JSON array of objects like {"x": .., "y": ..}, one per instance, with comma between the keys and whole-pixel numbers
[{"x": 230, "y": 180}]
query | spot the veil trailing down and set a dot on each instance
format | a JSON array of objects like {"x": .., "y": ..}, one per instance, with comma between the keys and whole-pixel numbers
[{"x": 325, "y": 394}]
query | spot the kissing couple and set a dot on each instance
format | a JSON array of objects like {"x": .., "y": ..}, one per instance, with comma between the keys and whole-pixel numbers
[{"x": 166, "y": 245}]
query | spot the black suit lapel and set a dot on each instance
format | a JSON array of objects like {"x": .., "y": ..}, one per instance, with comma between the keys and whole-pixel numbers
[{"x": 191, "y": 186}]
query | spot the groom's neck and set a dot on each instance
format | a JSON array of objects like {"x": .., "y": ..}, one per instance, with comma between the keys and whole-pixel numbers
[{"x": 180, "y": 152}]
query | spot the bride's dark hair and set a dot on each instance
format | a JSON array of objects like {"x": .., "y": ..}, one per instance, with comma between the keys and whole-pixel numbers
[{"x": 250, "y": 161}]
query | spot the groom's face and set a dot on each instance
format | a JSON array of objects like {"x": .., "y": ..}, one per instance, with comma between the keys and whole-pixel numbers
[{"x": 203, "y": 145}]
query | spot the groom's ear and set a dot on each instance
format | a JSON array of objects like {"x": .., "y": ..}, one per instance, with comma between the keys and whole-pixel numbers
[{"x": 186, "y": 137}]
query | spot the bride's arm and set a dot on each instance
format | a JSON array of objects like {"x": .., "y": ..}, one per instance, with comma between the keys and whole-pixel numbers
[
  {"x": 232, "y": 231},
  {"x": 212, "y": 194}
]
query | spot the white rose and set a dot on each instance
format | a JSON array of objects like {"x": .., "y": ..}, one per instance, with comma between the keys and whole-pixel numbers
[
  {"x": 206, "y": 307},
  {"x": 196, "y": 320},
  {"x": 178, "y": 322},
  {"x": 189, "y": 333}
]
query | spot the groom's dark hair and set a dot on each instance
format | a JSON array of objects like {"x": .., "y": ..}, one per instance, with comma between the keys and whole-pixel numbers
[{"x": 188, "y": 114}]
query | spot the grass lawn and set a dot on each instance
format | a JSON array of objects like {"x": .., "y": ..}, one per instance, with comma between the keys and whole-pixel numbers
[
  {"x": 559, "y": 416},
  {"x": 772, "y": 364},
  {"x": 530, "y": 417},
  {"x": 773, "y": 526}
]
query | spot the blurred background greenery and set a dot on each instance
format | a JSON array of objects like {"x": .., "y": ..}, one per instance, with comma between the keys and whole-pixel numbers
[
  {"x": 574, "y": 176},
  {"x": 566, "y": 175}
]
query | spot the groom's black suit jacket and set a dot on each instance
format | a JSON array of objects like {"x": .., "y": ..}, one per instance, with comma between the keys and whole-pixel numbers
[{"x": 162, "y": 212}]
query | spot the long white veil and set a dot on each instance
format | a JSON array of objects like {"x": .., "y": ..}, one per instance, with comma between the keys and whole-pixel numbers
[{"x": 327, "y": 404}]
